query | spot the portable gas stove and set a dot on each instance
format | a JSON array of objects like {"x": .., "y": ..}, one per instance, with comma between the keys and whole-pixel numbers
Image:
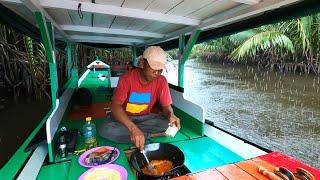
[{"x": 180, "y": 172}]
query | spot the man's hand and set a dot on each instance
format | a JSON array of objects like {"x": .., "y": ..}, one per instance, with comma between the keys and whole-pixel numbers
[
  {"x": 174, "y": 120},
  {"x": 137, "y": 137}
]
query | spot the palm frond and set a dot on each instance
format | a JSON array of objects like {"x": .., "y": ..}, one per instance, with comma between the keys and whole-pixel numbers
[
  {"x": 240, "y": 37},
  {"x": 304, "y": 27},
  {"x": 262, "y": 42}
]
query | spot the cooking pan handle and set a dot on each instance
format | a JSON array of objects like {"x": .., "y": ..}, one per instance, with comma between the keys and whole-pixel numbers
[
  {"x": 134, "y": 162},
  {"x": 172, "y": 171}
]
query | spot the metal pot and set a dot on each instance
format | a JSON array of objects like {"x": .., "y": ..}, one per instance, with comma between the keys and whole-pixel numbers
[{"x": 158, "y": 151}]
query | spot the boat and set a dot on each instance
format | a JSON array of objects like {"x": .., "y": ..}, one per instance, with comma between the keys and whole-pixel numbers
[{"x": 210, "y": 152}]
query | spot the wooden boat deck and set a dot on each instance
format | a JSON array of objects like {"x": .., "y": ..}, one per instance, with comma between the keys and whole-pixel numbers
[
  {"x": 248, "y": 169},
  {"x": 204, "y": 157},
  {"x": 188, "y": 138}
]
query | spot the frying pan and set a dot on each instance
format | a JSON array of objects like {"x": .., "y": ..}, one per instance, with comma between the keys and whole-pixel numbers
[{"x": 158, "y": 151}]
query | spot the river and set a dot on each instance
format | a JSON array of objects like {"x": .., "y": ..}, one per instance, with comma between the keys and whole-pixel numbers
[{"x": 280, "y": 112}]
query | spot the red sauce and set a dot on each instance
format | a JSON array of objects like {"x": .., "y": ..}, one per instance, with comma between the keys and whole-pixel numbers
[{"x": 160, "y": 167}]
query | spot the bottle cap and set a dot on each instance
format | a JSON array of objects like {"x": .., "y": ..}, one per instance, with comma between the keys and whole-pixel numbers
[{"x": 88, "y": 118}]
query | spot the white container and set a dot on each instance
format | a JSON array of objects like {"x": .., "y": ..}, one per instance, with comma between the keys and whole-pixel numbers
[{"x": 172, "y": 131}]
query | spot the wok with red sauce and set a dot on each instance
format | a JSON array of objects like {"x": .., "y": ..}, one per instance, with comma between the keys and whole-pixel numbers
[
  {"x": 159, "y": 167},
  {"x": 166, "y": 159}
]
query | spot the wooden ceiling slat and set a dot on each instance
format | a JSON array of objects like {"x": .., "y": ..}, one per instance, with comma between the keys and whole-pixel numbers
[
  {"x": 110, "y": 2},
  {"x": 177, "y": 8},
  {"x": 22, "y": 11},
  {"x": 75, "y": 18},
  {"x": 162, "y": 6},
  {"x": 105, "y": 38},
  {"x": 121, "y": 22},
  {"x": 102, "y": 20},
  {"x": 138, "y": 24},
  {"x": 119, "y": 11},
  {"x": 140, "y": 4},
  {"x": 154, "y": 27},
  {"x": 109, "y": 31},
  {"x": 189, "y": 6},
  {"x": 125, "y": 23},
  {"x": 250, "y": 2},
  {"x": 213, "y": 9},
  {"x": 169, "y": 28},
  {"x": 61, "y": 16}
]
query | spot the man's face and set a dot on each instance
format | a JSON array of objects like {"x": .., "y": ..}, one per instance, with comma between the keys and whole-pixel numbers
[{"x": 149, "y": 73}]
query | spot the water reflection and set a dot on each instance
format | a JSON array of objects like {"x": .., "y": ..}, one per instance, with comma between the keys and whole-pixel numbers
[{"x": 277, "y": 111}]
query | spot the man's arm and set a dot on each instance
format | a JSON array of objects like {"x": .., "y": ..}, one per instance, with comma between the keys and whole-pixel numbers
[
  {"x": 168, "y": 113},
  {"x": 137, "y": 137}
]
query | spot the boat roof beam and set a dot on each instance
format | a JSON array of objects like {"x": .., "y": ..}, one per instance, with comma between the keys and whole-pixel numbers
[
  {"x": 103, "y": 42},
  {"x": 12, "y": 1},
  {"x": 118, "y": 11},
  {"x": 250, "y": 2},
  {"x": 232, "y": 15},
  {"x": 245, "y": 13},
  {"x": 34, "y": 6},
  {"x": 84, "y": 38},
  {"x": 101, "y": 30}
]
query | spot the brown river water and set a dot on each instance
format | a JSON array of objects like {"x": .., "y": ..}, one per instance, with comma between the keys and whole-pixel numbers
[{"x": 280, "y": 112}]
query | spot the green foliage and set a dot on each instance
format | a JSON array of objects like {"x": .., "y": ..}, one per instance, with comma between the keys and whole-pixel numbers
[
  {"x": 263, "y": 41},
  {"x": 216, "y": 46},
  {"x": 173, "y": 54},
  {"x": 240, "y": 37},
  {"x": 295, "y": 40},
  {"x": 24, "y": 64}
]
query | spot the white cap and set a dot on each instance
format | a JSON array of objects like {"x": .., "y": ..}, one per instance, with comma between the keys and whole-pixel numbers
[{"x": 156, "y": 57}]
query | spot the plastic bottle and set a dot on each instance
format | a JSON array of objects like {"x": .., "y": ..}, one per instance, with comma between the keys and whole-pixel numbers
[
  {"x": 62, "y": 147},
  {"x": 89, "y": 133}
]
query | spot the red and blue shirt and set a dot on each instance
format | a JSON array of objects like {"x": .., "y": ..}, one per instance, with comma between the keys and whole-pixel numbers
[{"x": 138, "y": 98}]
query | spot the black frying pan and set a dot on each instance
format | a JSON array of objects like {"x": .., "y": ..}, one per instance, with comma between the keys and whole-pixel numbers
[{"x": 158, "y": 151}]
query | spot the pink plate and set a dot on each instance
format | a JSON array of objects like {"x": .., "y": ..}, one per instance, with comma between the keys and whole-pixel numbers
[
  {"x": 85, "y": 154},
  {"x": 120, "y": 169}
]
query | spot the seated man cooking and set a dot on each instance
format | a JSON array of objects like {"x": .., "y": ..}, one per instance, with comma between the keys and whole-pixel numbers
[{"x": 137, "y": 92}]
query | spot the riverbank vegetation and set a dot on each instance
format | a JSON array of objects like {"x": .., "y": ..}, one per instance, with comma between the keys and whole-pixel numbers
[
  {"x": 24, "y": 70},
  {"x": 290, "y": 46}
]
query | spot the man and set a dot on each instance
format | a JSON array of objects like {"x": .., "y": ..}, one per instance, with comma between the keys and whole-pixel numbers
[{"x": 137, "y": 92}]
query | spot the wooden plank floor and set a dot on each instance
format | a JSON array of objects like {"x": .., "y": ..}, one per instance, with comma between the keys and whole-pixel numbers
[{"x": 249, "y": 169}]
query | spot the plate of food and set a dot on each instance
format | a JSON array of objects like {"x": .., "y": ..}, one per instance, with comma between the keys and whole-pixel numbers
[
  {"x": 106, "y": 171},
  {"x": 98, "y": 156}
]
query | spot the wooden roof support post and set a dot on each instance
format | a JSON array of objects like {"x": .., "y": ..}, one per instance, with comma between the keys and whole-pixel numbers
[
  {"x": 47, "y": 35},
  {"x": 72, "y": 69},
  {"x": 46, "y": 30},
  {"x": 74, "y": 62},
  {"x": 74, "y": 55},
  {"x": 134, "y": 56},
  {"x": 69, "y": 59},
  {"x": 182, "y": 44},
  {"x": 184, "y": 53}
]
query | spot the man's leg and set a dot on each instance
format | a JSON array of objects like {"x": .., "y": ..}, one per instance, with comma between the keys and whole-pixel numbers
[
  {"x": 149, "y": 124},
  {"x": 114, "y": 131}
]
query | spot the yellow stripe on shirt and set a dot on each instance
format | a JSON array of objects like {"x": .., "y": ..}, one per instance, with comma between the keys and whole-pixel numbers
[{"x": 136, "y": 108}]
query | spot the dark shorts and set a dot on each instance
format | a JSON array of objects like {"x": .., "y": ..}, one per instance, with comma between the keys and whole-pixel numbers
[{"x": 148, "y": 124}]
